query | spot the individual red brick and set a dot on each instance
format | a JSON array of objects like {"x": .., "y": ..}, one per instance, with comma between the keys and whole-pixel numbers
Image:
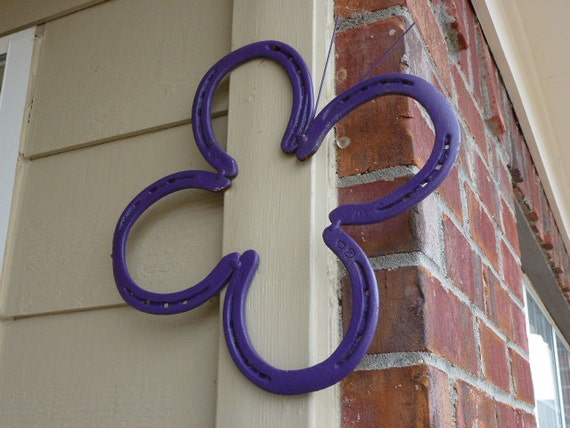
[
  {"x": 494, "y": 357},
  {"x": 498, "y": 303},
  {"x": 505, "y": 180},
  {"x": 359, "y": 48},
  {"x": 522, "y": 378},
  {"x": 449, "y": 326},
  {"x": 465, "y": 153},
  {"x": 430, "y": 30},
  {"x": 402, "y": 310},
  {"x": 519, "y": 327},
  {"x": 387, "y": 131},
  {"x": 450, "y": 191},
  {"x": 460, "y": 261},
  {"x": 494, "y": 109},
  {"x": 413, "y": 308},
  {"x": 456, "y": 13},
  {"x": 382, "y": 133},
  {"x": 536, "y": 192},
  {"x": 529, "y": 420},
  {"x": 510, "y": 227},
  {"x": 475, "y": 42},
  {"x": 423, "y": 135},
  {"x": 472, "y": 30},
  {"x": 468, "y": 109},
  {"x": 346, "y": 8},
  {"x": 416, "y": 396},
  {"x": 486, "y": 186},
  {"x": 508, "y": 416},
  {"x": 395, "y": 235},
  {"x": 474, "y": 408},
  {"x": 512, "y": 271},
  {"x": 482, "y": 228}
]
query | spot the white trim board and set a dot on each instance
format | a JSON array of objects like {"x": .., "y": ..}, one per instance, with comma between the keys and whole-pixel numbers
[
  {"x": 278, "y": 206},
  {"x": 529, "y": 40},
  {"x": 19, "y": 50}
]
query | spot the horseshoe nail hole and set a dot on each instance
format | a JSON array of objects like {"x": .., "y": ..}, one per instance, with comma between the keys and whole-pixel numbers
[
  {"x": 165, "y": 305},
  {"x": 342, "y": 142}
]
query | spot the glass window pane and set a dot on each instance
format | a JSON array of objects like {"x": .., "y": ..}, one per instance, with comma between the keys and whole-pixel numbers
[
  {"x": 564, "y": 373},
  {"x": 543, "y": 364}
]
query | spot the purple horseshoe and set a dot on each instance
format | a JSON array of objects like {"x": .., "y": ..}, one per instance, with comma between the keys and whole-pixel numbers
[
  {"x": 180, "y": 301},
  {"x": 185, "y": 300},
  {"x": 301, "y": 112},
  {"x": 303, "y": 136},
  {"x": 342, "y": 361},
  {"x": 436, "y": 169}
]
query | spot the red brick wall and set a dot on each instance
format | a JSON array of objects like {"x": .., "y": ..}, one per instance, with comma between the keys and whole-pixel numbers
[{"x": 451, "y": 348}]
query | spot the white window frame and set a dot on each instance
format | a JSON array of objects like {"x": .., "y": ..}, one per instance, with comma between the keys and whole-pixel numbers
[
  {"x": 540, "y": 284},
  {"x": 556, "y": 336},
  {"x": 18, "y": 48}
]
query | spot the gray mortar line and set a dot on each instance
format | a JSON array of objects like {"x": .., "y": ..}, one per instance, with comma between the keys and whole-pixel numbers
[
  {"x": 410, "y": 359},
  {"x": 386, "y": 174},
  {"x": 363, "y": 18}
]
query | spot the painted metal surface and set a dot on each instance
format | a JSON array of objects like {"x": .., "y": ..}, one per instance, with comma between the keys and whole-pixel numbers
[{"x": 302, "y": 137}]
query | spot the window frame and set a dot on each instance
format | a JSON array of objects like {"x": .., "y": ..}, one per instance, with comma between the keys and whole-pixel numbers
[
  {"x": 18, "y": 48},
  {"x": 557, "y": 338}
]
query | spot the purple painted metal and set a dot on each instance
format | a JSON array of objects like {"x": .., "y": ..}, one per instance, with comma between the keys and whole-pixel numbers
[
  {"x": 301, "y": 112},
  {"x": 436, "y": 169},
  {"x": 181, "y": 301},
  {"x": 303, "y": 137},
  {"x": 342, "y": 361}
]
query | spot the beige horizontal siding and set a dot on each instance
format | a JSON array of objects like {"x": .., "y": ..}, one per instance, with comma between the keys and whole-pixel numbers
[
  {"x": 122, "y": 67},
  {"x": 18, "y": 14},
  {"x": 110, "y": 113},
  {"x": 67, "y": 211},
  {"x": 110, "y": 368}
]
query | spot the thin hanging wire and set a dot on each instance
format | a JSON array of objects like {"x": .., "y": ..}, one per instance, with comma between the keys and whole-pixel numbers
[
  {"x": 390, "y": 49},
  {"x": 337, "y": 22}
]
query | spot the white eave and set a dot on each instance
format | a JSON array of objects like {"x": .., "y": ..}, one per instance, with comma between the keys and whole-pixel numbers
[{"x": 530, "y": 41}]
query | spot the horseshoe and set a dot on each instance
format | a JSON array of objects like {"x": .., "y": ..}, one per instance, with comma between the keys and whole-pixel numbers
[
  {"x": 303, "y": 137},
  {"x": 180, "y": 301},
  {"x": 342, "y": 361},
  {"x": 437, "y": 168},
  {"x": 301, "y": 112}
]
